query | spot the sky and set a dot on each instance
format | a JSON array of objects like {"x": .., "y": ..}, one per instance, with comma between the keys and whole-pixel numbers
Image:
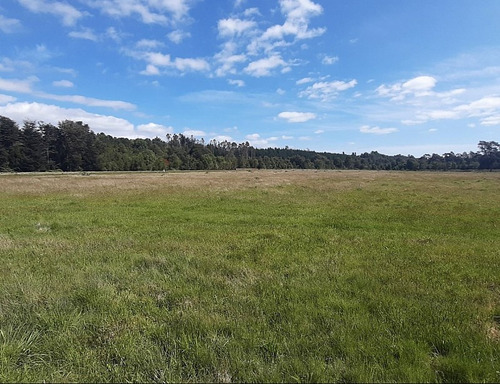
[{"x": 397, "y": 77}]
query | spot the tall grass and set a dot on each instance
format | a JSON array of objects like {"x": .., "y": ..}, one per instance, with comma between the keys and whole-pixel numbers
[{"x": 250, "y": 276}]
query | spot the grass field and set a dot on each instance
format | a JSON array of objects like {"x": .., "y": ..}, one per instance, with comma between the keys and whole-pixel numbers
[{"x": 296, "y": 276}]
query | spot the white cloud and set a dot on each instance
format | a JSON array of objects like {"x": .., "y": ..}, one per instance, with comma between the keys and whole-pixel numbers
[
  {"x": 177, "y": 36},
  {"x": 304, "y": 80},
  {"x": 16, "y": 85},
  {"x": 25, "y": 86},
  {"x": 4, "y": 99},
  {"x": 86, "y": 34},
  {"x": 420, "y": 84},
  {"x": 63, "y": 83},
  {"x": 234, "y": 27},
  {"x": 149, "y": 44},
  {"x": 327, "y": 90},
  {"x": 244, "y": 39},
  {"x": 9, "y": 25},
  {"x": 297, "y": 15},
  {"x": 194, "y": 132},
  {"x": 154, "y": 129},
  {"x": 53, "y": 114},
  {"x": 88, "y": 101},
  {"x": 486, "y": 108},
  {"x": 491, "y": 120},
  {"x": 252, "y": 12},
  {"x": 191, "y": 64},
  {"x": 238, "y": 83},
  {"x": 222, "y": 138},
  {"x": 481, "y": 107},
  {"x": 319, "y": 132},
  {"x": 329, "y": 60},
  {"x": 417, "y": 87},
  {"x": 113, "y": 34},
  {"x": 149, "y": 11},
  {"x": 69, "y": 14},
  {"x": 228, "y": 60},
  {"x": 151, "y": 70},
  {"x": 256, "y": 140},
  {"x": 263, "y": 67},
  {"x": 377, "y": 130},
  {"x": 297, "y": 117},
  {"x": 158, "y": 59}
]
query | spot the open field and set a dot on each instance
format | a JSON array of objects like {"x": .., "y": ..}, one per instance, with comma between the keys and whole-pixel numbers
[{"x": 250, "y": 276}]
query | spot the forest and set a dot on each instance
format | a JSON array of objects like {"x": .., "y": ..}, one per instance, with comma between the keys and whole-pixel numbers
[{"x": 73, "y": 146}]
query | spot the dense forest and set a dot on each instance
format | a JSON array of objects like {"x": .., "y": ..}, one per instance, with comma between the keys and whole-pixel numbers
[{"x": 73, "y": 146}]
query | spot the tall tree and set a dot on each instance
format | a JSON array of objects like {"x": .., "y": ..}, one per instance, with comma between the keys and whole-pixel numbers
[
  {"x": 10, "y": 146},
  {"x": 32, "y": 148},
  {"x": 490, "y": 158}
]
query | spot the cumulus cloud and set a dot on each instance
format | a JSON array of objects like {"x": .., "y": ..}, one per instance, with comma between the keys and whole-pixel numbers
[
  {"x": 238, "y": 83},
  {"x": 304, "y": 80},
  {"x": 194, "y": 132},
  {"x": 148, "y": 44},
  {"x": 88, "y": 101},
  {"x": 156, "y": 60},
  {"x": 481, "y": 107},
  {"x": 85, "y": 34},
  {"x": 153, "y": 129},
  {"x": 417, "y": 87},
  {"x": 234, "y": 27},
  {"x": 297, "y": 15},
  {"x": 16, "y": 85},
  {"x": 69, "y": 14},
  {"x": 245, "y": 39},
  {"x": 256, "y": 140},
  {"x": 149, "y": 11},
  {"x": 222, "y": 138},
  {"x": 228, "y": 60},
  {"x": 151, "y": 70},
  {"x": 63, "y": 83},
  {"x": 4, "y": 99},
  {"x": 177, "y": 36},
  {"x": 8, "y": 25},
  {"x": 491, "y": 120},
  {"x": 297, "y": 117},
  {"x": 188, "y": 64},
  {"x": 54, "y": 114},
  {"x": 325, "y": 90},
  {"x": 329, "y": 60},
  {"x": 486, "y": 108},
  {"x": 264, "y": 67},
  {"x": 377, "y": 130}
]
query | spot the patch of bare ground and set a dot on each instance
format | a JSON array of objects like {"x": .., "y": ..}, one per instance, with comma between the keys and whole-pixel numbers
[{"x": 6, "y": 243}]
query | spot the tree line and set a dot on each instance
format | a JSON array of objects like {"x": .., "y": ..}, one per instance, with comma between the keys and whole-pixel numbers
[{"x": 73, "y": 146}]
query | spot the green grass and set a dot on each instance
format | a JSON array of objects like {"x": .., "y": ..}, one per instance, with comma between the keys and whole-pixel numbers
[{"x": 250, "y": 277}]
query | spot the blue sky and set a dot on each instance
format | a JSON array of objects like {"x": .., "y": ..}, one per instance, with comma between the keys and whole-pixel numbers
[{"x": 409, "y": 77}]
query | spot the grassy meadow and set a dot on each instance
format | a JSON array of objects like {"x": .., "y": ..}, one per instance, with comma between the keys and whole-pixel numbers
[{"x": 250, "y": 276}]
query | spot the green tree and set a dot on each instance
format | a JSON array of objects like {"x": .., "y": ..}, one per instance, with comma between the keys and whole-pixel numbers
[
  {"x": 32, "y": 148},
  {"x": 10, "y": 145},
  {"x": 490, "y": 158}
]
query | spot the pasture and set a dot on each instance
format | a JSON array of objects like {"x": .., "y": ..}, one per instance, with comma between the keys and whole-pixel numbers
[{"x": 250, "y": 276}]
